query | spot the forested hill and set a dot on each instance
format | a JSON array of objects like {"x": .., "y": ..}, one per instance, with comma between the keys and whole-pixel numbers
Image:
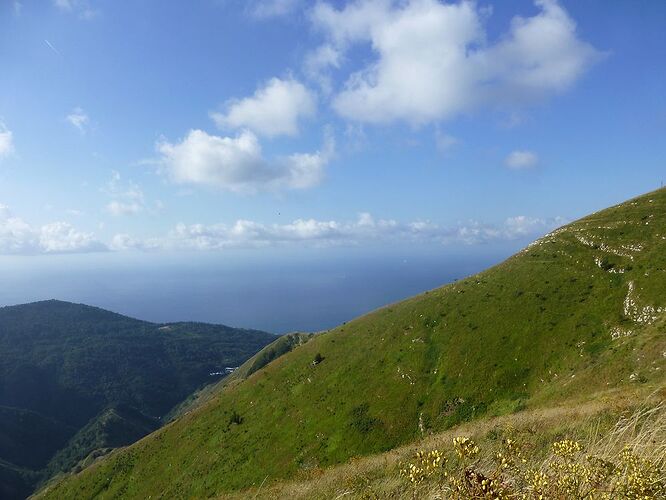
[{"x": 64, "y": 365}]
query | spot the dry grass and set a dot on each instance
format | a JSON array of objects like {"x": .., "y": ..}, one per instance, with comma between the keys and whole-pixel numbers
[
  {"x": 606, "y": 426},
  {"x": 644, "y": 431},
  {"x": 627, "y": 461}
]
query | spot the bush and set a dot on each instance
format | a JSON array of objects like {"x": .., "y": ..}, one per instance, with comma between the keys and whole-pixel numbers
[
  {"x": 361, "y": 420},
  {"x": 235, "y": 418},
  {"x": 627, "y": 463}
]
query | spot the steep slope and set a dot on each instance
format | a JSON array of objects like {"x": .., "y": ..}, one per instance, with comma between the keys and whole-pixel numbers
[
  {"x": 579, "y": 311},
  {"x": 62, "y": 364},
  {"x": 114, "y": 427},
  {"x": 600, "y": 426},
  {"x": 284, "y": 344}
]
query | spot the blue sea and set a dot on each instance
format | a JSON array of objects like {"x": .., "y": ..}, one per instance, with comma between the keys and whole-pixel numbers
[{"x": 278, "y": 290}]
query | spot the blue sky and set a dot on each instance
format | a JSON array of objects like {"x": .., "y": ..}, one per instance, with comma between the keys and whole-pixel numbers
[{"x": 220, "y": 125}]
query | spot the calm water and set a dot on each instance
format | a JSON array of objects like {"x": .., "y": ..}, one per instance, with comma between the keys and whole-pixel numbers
[{"x": 274, "y": 290}]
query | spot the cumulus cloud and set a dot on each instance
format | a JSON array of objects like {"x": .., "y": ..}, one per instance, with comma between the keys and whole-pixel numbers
[
  {"x": 61, "y": 237},
  {"x": 78, "y": 118},
  {"x": 237, "y": 163},
  {"x": 274, "y": 109},
  {"x": 6, "y": 141},
  {"x": 18, "y": 237},
  {"x": 521, "y": 160},
  {"x": 319, "y": 61},
  {"x": 434, "y": 60},
  {"x": 321, "y": 233}
]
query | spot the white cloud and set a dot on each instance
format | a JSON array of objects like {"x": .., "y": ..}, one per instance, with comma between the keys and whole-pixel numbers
[
  {"x": 521, "y": 160},
  {"x": 78, "y": 118},
  {"x": 124, "y": 241},
  {"x": 127, "y": 198},
  {"x": 434, "y": 60},
  {"x": 318, "y": 63},
  {"x": 524, "y": 226},
  {"x": 311, "y": 232},
  {"x": 18, "y": 237},
  {"x": 237, "y": 163},
  {"x": 354, "y": 22},
  {"x": 512, "y": 228},
  {"x": 274, "y": 109},
  {"x": 6, "y": 141},
  {"x": 117, "y": 208},
  {"x": 324, "y": 56},
  {"x": 61, "y": 237}
]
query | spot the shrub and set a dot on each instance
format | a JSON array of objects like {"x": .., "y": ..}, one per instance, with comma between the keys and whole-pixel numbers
[
  {"x": 628, "y": 463},
  {"x": 361, "y": 420},
  {"x": 235, "y": 418}
]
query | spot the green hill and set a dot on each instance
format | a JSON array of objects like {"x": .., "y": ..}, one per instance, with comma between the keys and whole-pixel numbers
[
  {"x": 577, "y": 313},
  {"x": 64, "y": 366},
  {"x": 280, "y": 346},
  {"x": 114, "y": 427}
]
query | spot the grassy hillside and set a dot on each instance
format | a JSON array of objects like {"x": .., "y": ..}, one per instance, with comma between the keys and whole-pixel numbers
[
  {"x": 63, "y": 364},
  {"x": 579, "y": 312},
  {"x": 603, "y": 428},
  {"x": 280, "y": 346}
]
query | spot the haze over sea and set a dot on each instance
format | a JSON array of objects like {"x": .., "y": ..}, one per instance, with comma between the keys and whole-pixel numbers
[{"x": 277, "y": 290}]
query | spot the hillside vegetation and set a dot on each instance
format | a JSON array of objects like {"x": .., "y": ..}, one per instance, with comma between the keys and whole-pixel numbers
[
  {"x": 112, "y": 428},
  {"x": 619, "y": 444},
  {"x": 75, "y": 378},
  {"x": 576, "y": 314},
  {"x": 280, "y": 346}
]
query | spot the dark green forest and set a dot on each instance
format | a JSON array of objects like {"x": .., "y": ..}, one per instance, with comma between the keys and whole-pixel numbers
[{"x": 75, "y": 379}]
